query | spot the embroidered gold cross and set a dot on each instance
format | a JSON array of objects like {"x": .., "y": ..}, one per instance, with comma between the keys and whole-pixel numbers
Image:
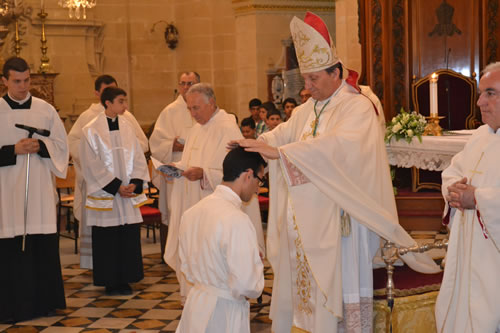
[{"x": 475, "y": 171}]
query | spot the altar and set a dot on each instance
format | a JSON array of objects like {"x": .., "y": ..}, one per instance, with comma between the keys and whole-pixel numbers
[{"x": 434, "y": 153}]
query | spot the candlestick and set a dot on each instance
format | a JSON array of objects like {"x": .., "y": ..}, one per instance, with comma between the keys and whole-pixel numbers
[
  {"x": 433, "y": 94},
  {"x": 42, "y": 4},
  {"x": 44, "y": 60}
]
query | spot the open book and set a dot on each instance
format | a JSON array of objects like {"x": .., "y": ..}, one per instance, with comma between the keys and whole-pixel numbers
[{"x": 169, "y": 170}]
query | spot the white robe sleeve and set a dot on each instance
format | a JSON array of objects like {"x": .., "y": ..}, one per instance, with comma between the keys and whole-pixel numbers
[
  {"x": 74, "y": 136},
  {"x": 139, "y": 133},
  {"x": 140, "y": 170},
  {"x": 449, "y": 176},
  {"x": 162, "y": 138},
  {"x": 246, "y": 275},
  {"x": 57, "y": 146}
]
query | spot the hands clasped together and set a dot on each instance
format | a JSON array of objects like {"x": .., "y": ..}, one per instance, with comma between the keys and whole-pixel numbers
[{"x": 461, "y": 195}]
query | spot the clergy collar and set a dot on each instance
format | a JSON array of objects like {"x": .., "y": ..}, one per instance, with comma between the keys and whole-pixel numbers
[
  {"x": 18, "y": 105},
  {"x": 113, "y": 123}
]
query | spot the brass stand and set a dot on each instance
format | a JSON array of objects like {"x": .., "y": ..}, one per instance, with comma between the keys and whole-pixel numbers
[
  {"x": 44, "y": 65},
  {"x": 433, "y": 127},
  {"x": 17, "y": 40}
]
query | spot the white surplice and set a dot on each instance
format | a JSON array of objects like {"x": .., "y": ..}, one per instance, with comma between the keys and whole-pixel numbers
[
  {"x": 469, "y": 298},
  {"x": 105, "y": 155},
  {"x": 344, "y": 167},
  {"x": 41, "y": 217},
  {"x": 205, "y": 148},
  {"x": 174, "y": 121},
  {"x": 219, "y": 254},
  {"x": 74, "y": 136}
]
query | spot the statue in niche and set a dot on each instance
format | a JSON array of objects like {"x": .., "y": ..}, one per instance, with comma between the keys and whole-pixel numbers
[{"x": 445, "y": 25}]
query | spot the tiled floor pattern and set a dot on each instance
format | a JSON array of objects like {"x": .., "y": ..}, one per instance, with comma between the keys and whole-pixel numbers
[{"x": 154, "y": 305}]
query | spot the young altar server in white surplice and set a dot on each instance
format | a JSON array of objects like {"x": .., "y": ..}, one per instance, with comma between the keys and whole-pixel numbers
[
  {"x": 31, "y": 283},
  {"x": 332, "y": 162},
  {"x": 219, "y": 253},
  {"x": 201, "y": 161},
  {"x": 167, "y": 143},
  {"x": 115, "y": 170},
  {"x": 469, "y": 298},
  {"x": 74, "y": 136}
]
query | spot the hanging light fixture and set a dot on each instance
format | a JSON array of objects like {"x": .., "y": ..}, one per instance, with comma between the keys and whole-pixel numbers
[{"x": 77, "y": 8}]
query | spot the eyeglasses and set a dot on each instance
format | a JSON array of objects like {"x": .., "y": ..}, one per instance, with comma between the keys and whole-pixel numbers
[
  {"x": 261, "y": 181},
  {"x": 188, "y": 84}
]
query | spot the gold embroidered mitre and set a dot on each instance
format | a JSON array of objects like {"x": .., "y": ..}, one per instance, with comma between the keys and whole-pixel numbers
[{"x": 313, "y": 44}]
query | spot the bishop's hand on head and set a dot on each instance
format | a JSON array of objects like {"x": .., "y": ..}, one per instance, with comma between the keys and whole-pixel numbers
[{"x": 257, "y": 146}]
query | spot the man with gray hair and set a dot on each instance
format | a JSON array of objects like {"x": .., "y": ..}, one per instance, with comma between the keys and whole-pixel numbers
[
  {"x": 167, "y": 143},
  {"x": 201, "y": 163},
  {"x": 469, "y": 297}
]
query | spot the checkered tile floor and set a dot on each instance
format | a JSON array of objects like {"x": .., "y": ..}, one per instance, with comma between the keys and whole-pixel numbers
[{"x": 154, "y": 305}]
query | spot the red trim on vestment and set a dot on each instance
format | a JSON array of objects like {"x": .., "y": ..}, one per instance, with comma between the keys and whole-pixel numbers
[
  {"x": 481, "y": 223},
  {"x": 317, "y": 24}
]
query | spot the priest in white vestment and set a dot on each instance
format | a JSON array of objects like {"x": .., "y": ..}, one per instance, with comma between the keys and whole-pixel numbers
[
  {"x": 331, "y": 194},
  {"x": 115, "y": 172},
  {"x": 219, "y": 252},
  {"x": 201, "y": 161},
  {"x": 74, "y": 136},
  {"x": 167, "y": 143},
  {"x": 469, "y": 298},
  {"x": 31, "y": 283}
]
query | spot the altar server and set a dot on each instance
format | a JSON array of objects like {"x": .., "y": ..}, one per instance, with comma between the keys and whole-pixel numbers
[
  {"x": 469, "y": 298},
  {"x": 30, "y": 279},
  {"x": 219, "y": 252},
  {"x": 114, "y": 169},
  {"x": 74, "y": 136}
]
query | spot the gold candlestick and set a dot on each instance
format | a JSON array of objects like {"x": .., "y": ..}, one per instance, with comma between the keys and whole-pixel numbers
[
  {"x": 17, "y": 40},
  {"x": 433, "y": 127},
  {"x": 44, "y": 65}
]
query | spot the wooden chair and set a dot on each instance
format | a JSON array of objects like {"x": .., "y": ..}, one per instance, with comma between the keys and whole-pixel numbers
[
  {"x": 457, "y": 96},
  {"x": 65, "y": 193},
  {"x": 151, "y": 215}
]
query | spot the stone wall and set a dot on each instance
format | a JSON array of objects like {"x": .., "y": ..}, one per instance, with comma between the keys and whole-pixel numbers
[{"x": 231, "y": 43}]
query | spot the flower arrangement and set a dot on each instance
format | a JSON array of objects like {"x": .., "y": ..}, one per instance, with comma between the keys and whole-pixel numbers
[{"x": 405, "y": 126}]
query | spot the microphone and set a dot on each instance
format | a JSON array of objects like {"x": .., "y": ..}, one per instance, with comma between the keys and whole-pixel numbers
[{"x": 31, "y": 130}]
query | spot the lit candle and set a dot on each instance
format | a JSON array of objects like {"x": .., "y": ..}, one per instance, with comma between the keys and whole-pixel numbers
[{"x": 433, "y": 93}]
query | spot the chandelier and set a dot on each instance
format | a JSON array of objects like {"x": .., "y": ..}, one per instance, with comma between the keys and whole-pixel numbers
[{"x": 77, "y": 8}]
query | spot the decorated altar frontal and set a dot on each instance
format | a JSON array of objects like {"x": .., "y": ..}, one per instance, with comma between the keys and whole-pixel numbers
[{"x": 434, "y": 153}]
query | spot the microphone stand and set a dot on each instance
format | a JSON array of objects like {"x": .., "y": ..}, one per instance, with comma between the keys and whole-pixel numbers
[{"x": 31, "y": 131}]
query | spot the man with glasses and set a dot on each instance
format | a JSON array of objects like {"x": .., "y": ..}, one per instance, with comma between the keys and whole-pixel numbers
[
  {"x": 201, "y": 163},
  {"x": 469, "y": 297},
  {"x": 219, "y": 252},
  {"x": 167, "y": 143}
]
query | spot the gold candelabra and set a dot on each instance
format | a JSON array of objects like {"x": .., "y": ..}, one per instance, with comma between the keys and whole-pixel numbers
[
  {"x": 44, "y": 60},
  {"x": 17, "y": 40},
  {"x": 433, "y": 127}
]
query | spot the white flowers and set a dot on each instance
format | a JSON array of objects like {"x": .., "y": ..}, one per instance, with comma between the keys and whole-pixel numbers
[{"x": 405, "y": 126}]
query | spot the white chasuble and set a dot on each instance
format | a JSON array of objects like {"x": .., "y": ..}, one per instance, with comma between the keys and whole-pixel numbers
[
  {"x": 205, "y": 148},
  {"x": 105, "y": 155},
  {"x": 74, "y": 137},
  {"x": 42, "y": 203},
  {"x": 174, "y": 122},
  {"x": 344, "y": 167},
  {"x": 469, "y": 298},
  {"x": 219, "y": 254}
]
